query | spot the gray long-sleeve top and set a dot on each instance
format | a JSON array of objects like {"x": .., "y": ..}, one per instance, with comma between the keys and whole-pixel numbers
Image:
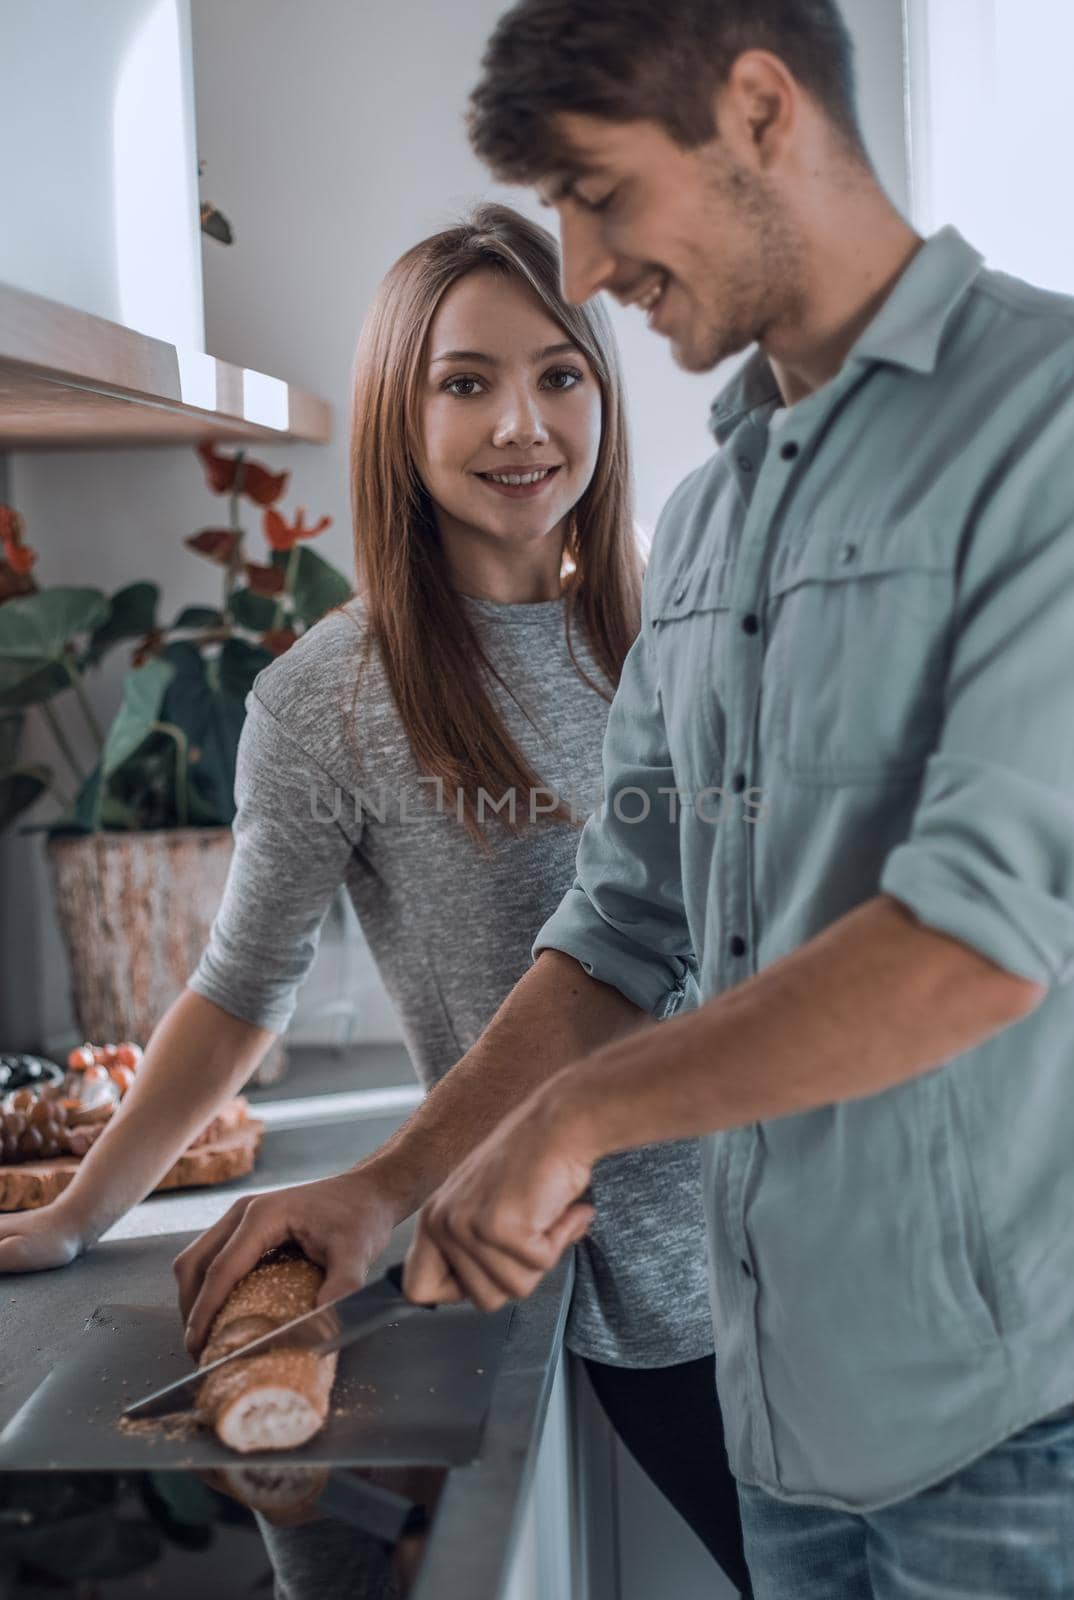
[{"x": 328, "y": 792}]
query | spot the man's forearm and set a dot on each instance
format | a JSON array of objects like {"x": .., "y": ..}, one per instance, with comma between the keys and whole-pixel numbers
[
  {"x": 556, "y": 1014},
  {"x": 874, "y": 1000}
]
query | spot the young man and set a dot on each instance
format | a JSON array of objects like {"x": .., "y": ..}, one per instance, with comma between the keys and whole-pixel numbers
[
  {"x": 853, "y": 683},
  {"x": 860, "y": 613}
]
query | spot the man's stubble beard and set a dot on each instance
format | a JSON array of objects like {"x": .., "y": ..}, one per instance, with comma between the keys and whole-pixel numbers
[{"x": 762, "y": 289}]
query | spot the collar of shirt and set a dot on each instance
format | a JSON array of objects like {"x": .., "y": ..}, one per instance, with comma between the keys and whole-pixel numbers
[{"x": 906, "y": 332}]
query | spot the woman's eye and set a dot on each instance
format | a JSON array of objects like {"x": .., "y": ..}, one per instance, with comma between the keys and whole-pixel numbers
[
  {"x": 571, "y": 374},
  {"x": 463, "y": 394}
]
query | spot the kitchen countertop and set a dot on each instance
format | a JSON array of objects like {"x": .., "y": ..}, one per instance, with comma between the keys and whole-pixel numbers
[{"x": 482, "y": 1505}]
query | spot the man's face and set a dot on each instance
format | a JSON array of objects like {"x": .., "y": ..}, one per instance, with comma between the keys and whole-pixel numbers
[{"x": 695, "y": 237}]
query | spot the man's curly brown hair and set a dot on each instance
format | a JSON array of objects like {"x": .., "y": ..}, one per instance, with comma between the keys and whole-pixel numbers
[{"x": 662, "y": 60}]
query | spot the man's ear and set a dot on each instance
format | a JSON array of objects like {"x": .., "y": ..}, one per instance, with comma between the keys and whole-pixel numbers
[{"x": 756, "y": 107}]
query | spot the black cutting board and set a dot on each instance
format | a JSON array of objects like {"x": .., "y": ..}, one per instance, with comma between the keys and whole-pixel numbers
[{"x": 413, "y": 1394}]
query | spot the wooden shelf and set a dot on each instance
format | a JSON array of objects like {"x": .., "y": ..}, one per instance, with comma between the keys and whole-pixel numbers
[{"x": 69, "y": 379}]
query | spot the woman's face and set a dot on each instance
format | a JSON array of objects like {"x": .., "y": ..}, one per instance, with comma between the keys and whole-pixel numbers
[{"x": 505, "y": 395}]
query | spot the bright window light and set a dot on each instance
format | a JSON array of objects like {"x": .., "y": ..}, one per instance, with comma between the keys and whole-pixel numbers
[
  {"x": 989, "y": 108},
  {"x": 158, "y": 267},
  {"x": 265, "y": 400},
  {"x": 197, "y": 378}
]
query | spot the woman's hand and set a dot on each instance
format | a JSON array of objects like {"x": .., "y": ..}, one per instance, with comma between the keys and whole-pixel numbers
[
  {"x": 31, "y": 1241},
  {"x": 503, "y": 1219},
  {"x": 343, "y": 1223}
]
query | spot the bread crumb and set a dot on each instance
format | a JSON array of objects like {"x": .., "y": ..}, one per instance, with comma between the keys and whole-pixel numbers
[{"x": 173, "y": 1427}]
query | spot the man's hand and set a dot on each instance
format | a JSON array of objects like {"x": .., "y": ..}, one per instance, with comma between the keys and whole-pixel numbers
[
  {"x": 342, "y": 1223},
  {"x": 506, "y": 1215}
]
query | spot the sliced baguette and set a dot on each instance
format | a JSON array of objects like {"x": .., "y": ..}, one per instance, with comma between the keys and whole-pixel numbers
[{"x": 278, "y": 1400}]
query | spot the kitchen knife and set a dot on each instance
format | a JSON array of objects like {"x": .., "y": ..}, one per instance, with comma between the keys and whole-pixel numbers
[{"x": 354, "y": 1316}]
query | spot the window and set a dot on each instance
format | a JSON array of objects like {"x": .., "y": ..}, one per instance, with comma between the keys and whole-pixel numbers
[{"x": 989, "y": 120}]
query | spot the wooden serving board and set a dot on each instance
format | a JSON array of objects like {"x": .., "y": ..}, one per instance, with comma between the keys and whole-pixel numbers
[{"x": 25, "y": 1185}]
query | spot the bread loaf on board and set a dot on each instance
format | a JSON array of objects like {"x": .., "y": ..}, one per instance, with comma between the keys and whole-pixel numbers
[{"x": 277, "y": 1400}]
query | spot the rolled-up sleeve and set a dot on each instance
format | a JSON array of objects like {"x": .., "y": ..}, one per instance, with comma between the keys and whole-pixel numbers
[
  {"x": 990, "y": 856},
  {"x": 291, "y": 847},
  {"x": 623, "y": 919}
]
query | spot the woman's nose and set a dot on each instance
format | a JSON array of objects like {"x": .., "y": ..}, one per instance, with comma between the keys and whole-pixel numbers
[{"x": 521, "y": 422}]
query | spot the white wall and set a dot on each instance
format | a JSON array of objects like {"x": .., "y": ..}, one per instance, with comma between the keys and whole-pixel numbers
[{"x": 333, "y": 138}]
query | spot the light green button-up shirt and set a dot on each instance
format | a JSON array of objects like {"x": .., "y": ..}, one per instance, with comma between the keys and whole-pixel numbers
[{"x": 856, "y": 663}]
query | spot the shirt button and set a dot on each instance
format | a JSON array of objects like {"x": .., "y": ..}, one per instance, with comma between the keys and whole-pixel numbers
[
  {"x": 738, "y": 945},
  {"x": 746, "y": 1268},
  {"x": 847, "y": 551},
  {"x": 750, "y": 624},
  {"x": 745, "y": 464},
  {"x": 789, "y": 450},
  {"x": 677, "y": 599},
  {"x": 738, "y": 782}
]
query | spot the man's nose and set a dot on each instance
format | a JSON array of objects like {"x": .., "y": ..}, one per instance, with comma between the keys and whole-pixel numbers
[
  {"x": 521, "y": 420},
  {"x": 587, "y": 265}
]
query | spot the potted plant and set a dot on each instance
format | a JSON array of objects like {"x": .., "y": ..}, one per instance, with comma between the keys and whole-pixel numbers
[{"x": 139, "y": 838}]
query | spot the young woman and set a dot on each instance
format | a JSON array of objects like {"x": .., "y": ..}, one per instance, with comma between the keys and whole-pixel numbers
[{"x": 435, "y": 744}]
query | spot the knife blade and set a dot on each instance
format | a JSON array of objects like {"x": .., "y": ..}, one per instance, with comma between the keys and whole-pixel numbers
[{"x": 329, "y": 1327}]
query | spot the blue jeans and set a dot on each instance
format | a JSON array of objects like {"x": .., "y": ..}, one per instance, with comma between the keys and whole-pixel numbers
[{"x": 1000, "y": 1529}]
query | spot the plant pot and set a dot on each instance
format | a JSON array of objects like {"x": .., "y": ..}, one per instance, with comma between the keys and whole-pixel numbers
[{"x": 135, "y": 911}]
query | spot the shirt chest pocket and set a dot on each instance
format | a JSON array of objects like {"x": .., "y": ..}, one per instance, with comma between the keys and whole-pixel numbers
[
  {"x": 691, "y": 616},
  {"x": 858, "y": 637}
]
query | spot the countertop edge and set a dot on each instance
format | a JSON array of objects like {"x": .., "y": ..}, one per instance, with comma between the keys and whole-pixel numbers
[{"x": 490, "y": 1494}]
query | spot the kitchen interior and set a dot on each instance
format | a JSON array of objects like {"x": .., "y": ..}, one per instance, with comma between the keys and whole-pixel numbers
[{"x": 199, "y": 201}]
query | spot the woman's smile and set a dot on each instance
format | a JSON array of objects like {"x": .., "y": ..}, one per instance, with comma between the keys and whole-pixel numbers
[{"x": 524, "y": 483}]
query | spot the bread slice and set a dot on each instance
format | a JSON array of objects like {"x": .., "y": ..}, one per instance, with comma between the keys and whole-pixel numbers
[{"x": 279, "y": 1399}]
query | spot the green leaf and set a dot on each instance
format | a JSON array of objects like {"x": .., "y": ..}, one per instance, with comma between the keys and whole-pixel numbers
[
  {"x": 114, "y": 814},
  {"x": 18, "y": 688},
  {"x": 318, "y": 586},
  {"x": 19, "y": 790},
  {"x": 199, "y": 617},
  {"x": 207, "y": 699},
  {"x": 143, "y": 693},
  {"x": 142, "y": 793},
  {"x": 238, "y": 664},
  {"x": 37, "y": 628},
  {"x": 85, "y": 815},
  {"x": 10, "y": 729},
  {"x": 253, "y": 611},
  {"x": 133, "y": 614}
]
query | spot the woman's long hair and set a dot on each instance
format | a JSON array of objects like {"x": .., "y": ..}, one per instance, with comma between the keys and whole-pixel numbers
[{"x": 429, "y": 649}]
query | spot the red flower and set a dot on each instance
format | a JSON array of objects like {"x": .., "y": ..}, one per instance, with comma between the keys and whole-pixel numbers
[
  {"x": 20, "y": 559},
  {"x": 278, "y": 640},
  {"x": 284, "y": 536},
  {"x": 18, "y": 556},
  {"x": 257, "y": 483},
  {"x": 219, "y": 544}
]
